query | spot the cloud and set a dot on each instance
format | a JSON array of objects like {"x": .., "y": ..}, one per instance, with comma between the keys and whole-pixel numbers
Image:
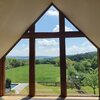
[
  {"x": 48, "y": 52},
  {"x": 21, "y": 51},
  {"x": 52, "y": 12},
  {"x": 83, "y": 48},
  {"x": 56, "y": 29},
  {"x": 47, "y": 47},
  {"x": 47, "y": 42},
  {"x": 50, "y": 47},
  {"x": 68, "y": 28}
]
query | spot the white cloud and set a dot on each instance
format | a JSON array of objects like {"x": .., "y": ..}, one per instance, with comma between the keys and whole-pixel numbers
[
  {"x": 47, "y": 51},
  {"x": 23, "y": 51},
  {"x": 47, "y": 47},
  {"x": 68, "y": 28},
  {"x": 83, "y": 48},
  {"x": 50, "y": 47},
  {"x": 52, "y": 12},
  {"x": 47, "y": 42},
  {"x": 56, "y": 29}
]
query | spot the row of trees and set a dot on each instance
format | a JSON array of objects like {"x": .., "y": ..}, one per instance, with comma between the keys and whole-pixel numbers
[
  {"x": 13, "y": 63},
  {"x": 46, "y": 61}
]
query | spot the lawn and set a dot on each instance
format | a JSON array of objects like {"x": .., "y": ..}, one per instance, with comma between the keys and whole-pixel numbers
[
  {"x": 44, "y": 73},
  {"x": 18, "y": 75},
  {"x": 43, "y": 90},
  {"x": 51, "y": 90}
]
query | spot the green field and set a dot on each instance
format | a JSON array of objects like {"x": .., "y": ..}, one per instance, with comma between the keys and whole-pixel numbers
[
  {"x": 43, "y": 90},
  {"x": 44, "y": 73}
]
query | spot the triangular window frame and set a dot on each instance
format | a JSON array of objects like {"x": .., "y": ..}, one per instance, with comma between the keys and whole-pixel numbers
[{"x": 76, "y": 33}]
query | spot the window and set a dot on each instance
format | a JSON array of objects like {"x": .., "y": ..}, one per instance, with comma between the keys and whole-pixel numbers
[
  {"x": 17, "y": 69},
  {"x": 48, "y": 54}
]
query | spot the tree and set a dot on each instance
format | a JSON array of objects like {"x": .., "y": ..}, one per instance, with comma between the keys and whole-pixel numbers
[
  {"x": 8, "y": 83},
  {"x": 12, "y": 63},
  {"x": 91, "y": 79},
  {"x": 80, "y": 67},
  {"x": 94, "y": 62},
  {"x": 37, "y": 61},
  {"x": 71, "y": 73},
  {"x": 70, "y": 62},
  {"x": 15, "y": 63}
]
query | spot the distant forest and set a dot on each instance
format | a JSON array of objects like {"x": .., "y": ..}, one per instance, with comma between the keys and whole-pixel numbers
[{"x": 79, "y": 57}]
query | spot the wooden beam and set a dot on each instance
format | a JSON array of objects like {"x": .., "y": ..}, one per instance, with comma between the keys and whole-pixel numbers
[
  {"x": 32, "y": 66},
  {"x": 62, "y": 57},
  {"x": 98, "y": 55},
  {"x": 63, "y": 68},
  {"x": 53, "y": 35},
  {"x": 2, "y": 76}
]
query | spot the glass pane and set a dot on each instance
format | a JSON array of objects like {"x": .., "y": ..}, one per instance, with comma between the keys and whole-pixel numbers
[
  {"x": 17, "y": 69},
  {"x": 69, "y": 27},
  {"x": 47, "y": 67},
  {"x": 82, "y": 73},
  {"x": 49, "y": 22}
]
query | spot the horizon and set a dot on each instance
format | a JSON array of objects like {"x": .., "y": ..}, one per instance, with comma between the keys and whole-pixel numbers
[{"x": 55, "y": 56}]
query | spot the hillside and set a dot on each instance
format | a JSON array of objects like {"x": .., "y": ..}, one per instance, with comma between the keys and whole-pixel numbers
[{"x": 79, "y": 57}]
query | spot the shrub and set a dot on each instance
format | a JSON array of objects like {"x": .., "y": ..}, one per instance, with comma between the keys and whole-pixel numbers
[{"x": 8, "y": 83}]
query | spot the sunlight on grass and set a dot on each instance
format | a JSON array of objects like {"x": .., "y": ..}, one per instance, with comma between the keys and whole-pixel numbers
[
  {"x": 25, "y": 90},
  {"x": 48, "y": 74},
  {"x": 51, "y": 90},
  {"x": 43, "y": 90},
  {"x": 89, "y": 90},
  {"x": 46, "y": 90}
]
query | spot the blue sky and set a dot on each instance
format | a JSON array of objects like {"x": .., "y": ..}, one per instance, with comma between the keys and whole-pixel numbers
[{"x": 50, "y": 47}]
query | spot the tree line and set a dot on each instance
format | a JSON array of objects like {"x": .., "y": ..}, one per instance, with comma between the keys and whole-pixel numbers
[{"x": 13, "y": 63}]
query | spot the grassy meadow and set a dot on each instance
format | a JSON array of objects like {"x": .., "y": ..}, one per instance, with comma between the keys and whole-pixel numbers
[{"x": 44, "y": 73}]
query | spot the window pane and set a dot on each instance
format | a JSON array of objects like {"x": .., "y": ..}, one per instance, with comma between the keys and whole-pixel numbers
[
  {"x": 49, "y": 22},
  {"x": 17, "y": 69},
  {"x": 82, "y": 72},
  {"x": 69, "y": 27},
  {"x": 47, "y": 67}
]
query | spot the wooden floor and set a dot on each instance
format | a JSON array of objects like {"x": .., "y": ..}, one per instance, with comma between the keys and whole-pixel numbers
[{"x": 47, "y": 98}]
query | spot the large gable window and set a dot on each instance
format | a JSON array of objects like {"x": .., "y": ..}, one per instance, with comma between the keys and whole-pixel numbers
[{"x": 54, "y": 42}]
